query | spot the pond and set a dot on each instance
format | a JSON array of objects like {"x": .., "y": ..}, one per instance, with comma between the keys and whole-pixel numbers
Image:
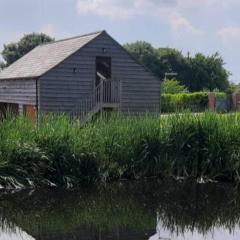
[{"x": 138, "y": 210}]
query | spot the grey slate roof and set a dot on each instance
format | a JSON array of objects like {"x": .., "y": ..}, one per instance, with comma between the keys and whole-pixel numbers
[{"x": 44, "y": 57}]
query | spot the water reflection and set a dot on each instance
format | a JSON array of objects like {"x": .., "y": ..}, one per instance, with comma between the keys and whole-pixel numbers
[
  {"x": 138, "y": 210},
  {"x": 14, "y": 234},
  {"x": 219, "y": 233}
]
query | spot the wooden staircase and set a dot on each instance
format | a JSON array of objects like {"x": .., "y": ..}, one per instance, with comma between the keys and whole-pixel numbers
[{"x": 106, "y": 96}]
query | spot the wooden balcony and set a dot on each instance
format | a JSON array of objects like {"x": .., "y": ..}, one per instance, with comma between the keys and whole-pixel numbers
[{"x": 107, "y": 93}]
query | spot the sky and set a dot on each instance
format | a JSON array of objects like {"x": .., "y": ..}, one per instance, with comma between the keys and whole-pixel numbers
[{"x": 205, "y": 26}]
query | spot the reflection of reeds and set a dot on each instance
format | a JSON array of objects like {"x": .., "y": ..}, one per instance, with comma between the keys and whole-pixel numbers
[
  {"x": 200, "y": 207},
  {"x": 124, "y": 207},
  {"x": 58, "y": 152}
]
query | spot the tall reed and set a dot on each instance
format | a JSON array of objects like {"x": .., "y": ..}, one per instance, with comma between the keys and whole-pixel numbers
[{"x": 59, "y": 152}]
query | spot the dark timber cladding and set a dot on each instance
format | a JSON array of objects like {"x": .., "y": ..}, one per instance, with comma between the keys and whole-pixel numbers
[
  {"x": 61, "y": 89},
  {"x": 92, "y": 73},
  {"x": 22, "y": 91}
]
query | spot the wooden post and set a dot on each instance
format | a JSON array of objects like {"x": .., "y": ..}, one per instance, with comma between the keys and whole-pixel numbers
[
  {"x": 101, "y": 98},
  {"x": 20, "y": 109},
  {"x": 120, "y": 95},
  {"x": 237, "y": 102},
  {"x": 233, "y": 102}
]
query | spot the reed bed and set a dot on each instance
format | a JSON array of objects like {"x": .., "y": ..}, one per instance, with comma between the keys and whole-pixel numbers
[{"x": 59, "y": 153}]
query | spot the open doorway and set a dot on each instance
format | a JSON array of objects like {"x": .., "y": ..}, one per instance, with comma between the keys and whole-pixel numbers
[
  {"x": 8, "y": 109},
  {"x": 103, "y": 69}
]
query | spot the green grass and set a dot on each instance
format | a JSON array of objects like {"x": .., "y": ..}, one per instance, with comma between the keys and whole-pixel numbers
[{"x": 58, "y": 152}]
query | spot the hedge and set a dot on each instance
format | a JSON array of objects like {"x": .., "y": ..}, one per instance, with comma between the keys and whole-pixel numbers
[{"x": 196, "y": 102}]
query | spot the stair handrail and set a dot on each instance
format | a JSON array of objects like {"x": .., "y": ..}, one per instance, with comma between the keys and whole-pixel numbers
[
  {"x": 84, "y": 106},
  {"x": 104, "y": 92}
]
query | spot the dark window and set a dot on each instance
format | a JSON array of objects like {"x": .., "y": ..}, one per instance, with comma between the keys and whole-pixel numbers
[{"x": 103, "y": 68}]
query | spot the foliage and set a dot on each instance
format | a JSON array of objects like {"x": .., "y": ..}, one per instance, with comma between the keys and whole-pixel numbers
[
  {"x": 172, "y": 86},
  {"x": 196, "y": 73},
  {"x": 171, "y": 60},
  {"x": 195, "y": 102},
  {"x": 2, "y": 65},
  {"x": 13, "y": 51},
  {"x": 147, "y": 55},
  {"x": 60, "y": 153},
  {"x": 205, "y": 72},
  {"x": 233, "y": 88}
]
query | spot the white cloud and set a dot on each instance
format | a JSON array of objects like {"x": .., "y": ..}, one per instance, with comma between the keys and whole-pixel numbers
[
  {"x": 165, "y": 10},
  {"x": 108, "y": 8},
  {"x": 122, "y": 8},
  {"x": 181, "y": 24},
  {"x": 55, "y": 32},
  {"x": 230, "y": 35},
  {"x": 205, "y": 3}
]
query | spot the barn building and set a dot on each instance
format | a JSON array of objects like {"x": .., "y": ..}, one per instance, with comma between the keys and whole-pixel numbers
[{"x": 80, "y": 76}]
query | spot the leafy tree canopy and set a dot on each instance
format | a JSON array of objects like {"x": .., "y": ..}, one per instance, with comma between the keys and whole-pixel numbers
[
  {"x": 146, "y": 54},
  {"x": 173, "y": 86},
  {"x": 13, "y": 51},
  {"x": 234, "y": 88},
  {"x": 196, "y": 73},
  {"x": 2, "y": 65}
]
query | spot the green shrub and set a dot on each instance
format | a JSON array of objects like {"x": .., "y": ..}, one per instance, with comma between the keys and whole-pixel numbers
[
  {"x": 195, "y": 102},
  {"x": 27, "y": 165},
  {"x": 173, "y": 86}
]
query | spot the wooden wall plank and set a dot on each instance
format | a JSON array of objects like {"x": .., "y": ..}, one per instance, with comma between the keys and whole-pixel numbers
[{"x": 18, "y": 91}]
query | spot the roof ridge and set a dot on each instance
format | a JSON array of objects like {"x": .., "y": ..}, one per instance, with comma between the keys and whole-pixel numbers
[{"x": 70, "y": 38}]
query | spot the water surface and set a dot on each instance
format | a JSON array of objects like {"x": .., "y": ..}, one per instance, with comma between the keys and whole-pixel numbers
[{"x": 132, "y": 210}]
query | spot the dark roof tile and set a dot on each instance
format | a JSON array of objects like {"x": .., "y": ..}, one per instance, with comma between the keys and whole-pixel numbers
[{"x": 45, "y": 57}]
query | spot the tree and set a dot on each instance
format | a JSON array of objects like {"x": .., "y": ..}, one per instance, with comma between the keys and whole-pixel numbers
[
  {"x": 173, "y": 86},
  {"x": 172, "y": 60},
  {"x": 147, "y": 55},
  {"x": 13, "y": 51},
  {"x": 233, "y": 88},
  {"x": 196, "y": 73},
  {"x": 2, "y": 65},
  {"x": 205, "y": 72}
]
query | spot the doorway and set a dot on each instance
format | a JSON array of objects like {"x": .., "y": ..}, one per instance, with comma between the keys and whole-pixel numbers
[
  {"x": 103, "y": 69},
  {"x": 8, "y": 109}
]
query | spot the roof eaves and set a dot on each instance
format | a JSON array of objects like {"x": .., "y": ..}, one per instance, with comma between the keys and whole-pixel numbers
[{"x": 19, "y": 78}]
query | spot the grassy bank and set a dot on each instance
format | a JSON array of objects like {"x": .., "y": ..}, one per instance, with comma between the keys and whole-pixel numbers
[{"x": 59, "y": 153}]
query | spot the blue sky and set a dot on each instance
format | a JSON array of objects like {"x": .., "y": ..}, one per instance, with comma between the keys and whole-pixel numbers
[{"x": 189, "y": 25}]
